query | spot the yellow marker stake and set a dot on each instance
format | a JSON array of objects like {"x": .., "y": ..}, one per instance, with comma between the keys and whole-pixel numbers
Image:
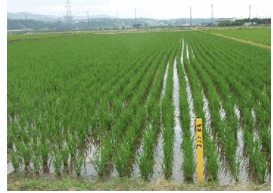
[{"x": 199, "y": 132}]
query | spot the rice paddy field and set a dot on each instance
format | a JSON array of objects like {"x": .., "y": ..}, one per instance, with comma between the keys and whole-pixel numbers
[
  {"x": 124, "y": 105},
  {"x": 259, "y": 35}
]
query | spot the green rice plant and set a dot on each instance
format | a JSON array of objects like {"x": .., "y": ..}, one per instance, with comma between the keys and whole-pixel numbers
[
  {"x": 262, "y": 168},
  {"x": 145, "y": 161},
  {"x": 259, "y": 161},
  {"x": 57, "y": 162},
  {"x": 44, "y": 150},
  {"x": 65, "y": 155},
  {"x": 72, "y": 144},
  {"x": 14, "y": 160},
  {"x": 188, "y": 164},
  {"x": 25, "y": 137},
  {"x": 9, "y": 139},
  {"x": 36, "y": 160},
  {"x": 78, "y": 163},
  {"x": 212, "y": 159},
  {"x": 124, "y": 151},
  {"x": 25, "y": 151},
  {"x": 168, "y": 154},
  {"x": 36, "y": 157},
  {"x": 236, "y": 169},
  {"x": 101, "y": 158},
  {"x": 121, "y": 159}
]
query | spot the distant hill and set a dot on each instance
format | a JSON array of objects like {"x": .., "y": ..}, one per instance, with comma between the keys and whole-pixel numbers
[
  {"x": 25, "y": 20},
  {"x": 22, "y": 15},
  {"x": 38, "y": 17}
]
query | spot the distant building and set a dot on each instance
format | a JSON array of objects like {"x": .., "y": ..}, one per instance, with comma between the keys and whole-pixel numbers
[
  {"x": 126, "y": 27},
  {"x": 250, "y": 23},
  {"x": 19, "y": 31},
  {"x": 247, "y": 23},
  {"x": 223, "y": 19},
  {"x": 137, "y": 25}
]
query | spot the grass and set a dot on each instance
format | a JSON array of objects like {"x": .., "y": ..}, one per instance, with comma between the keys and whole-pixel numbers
[
  {"x": 256, "y": 35},
  {"x": 121, "y": 184}
]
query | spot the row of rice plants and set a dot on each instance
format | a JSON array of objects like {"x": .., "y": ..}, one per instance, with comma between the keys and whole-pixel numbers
[
  {"x": 61, "y": 119},
  {"x": 146, "y": 159},
  {"x": 252, "y": 79},
  {"x": 265, "y": 117},
  {"x": 168, "y": 121},
  {"x": 210, "y": 148},
  {"x": 125, "y": 149},
  {"x": 264, "y": 124},
  {"x": 124, "y": 117},
  {"x": 249, "y": 108},
  {"x": 189, "y": 162},
  {"x": 106, "y": 152},
  {"x": 255, "y": 75},
  {"x": 116, "y": 105},
  {"x": 225, "y": 132},
  {"x": 118, "y": 94},
  {"x": 232, "y": 118},
  {"x": 246, "y": 105}
]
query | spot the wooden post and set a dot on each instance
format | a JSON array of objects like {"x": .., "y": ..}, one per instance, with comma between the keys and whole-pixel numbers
[{"x": 199, "y": 133}]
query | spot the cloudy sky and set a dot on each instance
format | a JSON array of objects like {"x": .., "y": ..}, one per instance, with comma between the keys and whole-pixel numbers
[{"x": 145, "y": 8}]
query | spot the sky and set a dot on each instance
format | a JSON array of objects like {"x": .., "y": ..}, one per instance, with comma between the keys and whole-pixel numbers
[{"x": 147, "y": 9}]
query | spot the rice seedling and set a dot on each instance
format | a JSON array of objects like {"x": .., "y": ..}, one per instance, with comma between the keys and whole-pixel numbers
[
  {"x": 101, "y": 158},
  {"x": 236, "y": 169},
  {"x": 15, "y": 161},
  {"x": 57, "y": 162},
  {"x": 188, "y": 165},
  {"x": 44, "y": 150},
  {"x": 78, "y": 163},
  {"x": 121, "y": 159},
  {"x": 36, "y": 160},
  {"x": 72, "y": 144},
  {"x": 25, "y": 152},
  {"x": 64, "y": 155}
]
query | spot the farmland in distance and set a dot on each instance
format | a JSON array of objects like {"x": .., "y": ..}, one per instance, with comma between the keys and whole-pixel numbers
[
  {"x": 125, "y": 105},
  {"x": 258, "y": 35}
]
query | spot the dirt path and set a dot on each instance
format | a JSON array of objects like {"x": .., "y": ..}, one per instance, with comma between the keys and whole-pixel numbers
[{"x": 246, "y": 41}]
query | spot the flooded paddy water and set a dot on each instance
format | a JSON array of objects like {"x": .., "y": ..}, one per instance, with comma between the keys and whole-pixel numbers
[{"x": 247, "y": 174}]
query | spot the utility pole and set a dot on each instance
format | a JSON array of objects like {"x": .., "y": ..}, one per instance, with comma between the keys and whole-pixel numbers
[
  {"x": 249, "y": 13},
  {"x": 211, "y": 14},
  {"x": 190, "y": 17},
  {"x": 135, "y": 17},
  {"x": 68, "y": 13},
  {"x": 25, "y": 16},
  {"x": 87, "y": 20}
]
